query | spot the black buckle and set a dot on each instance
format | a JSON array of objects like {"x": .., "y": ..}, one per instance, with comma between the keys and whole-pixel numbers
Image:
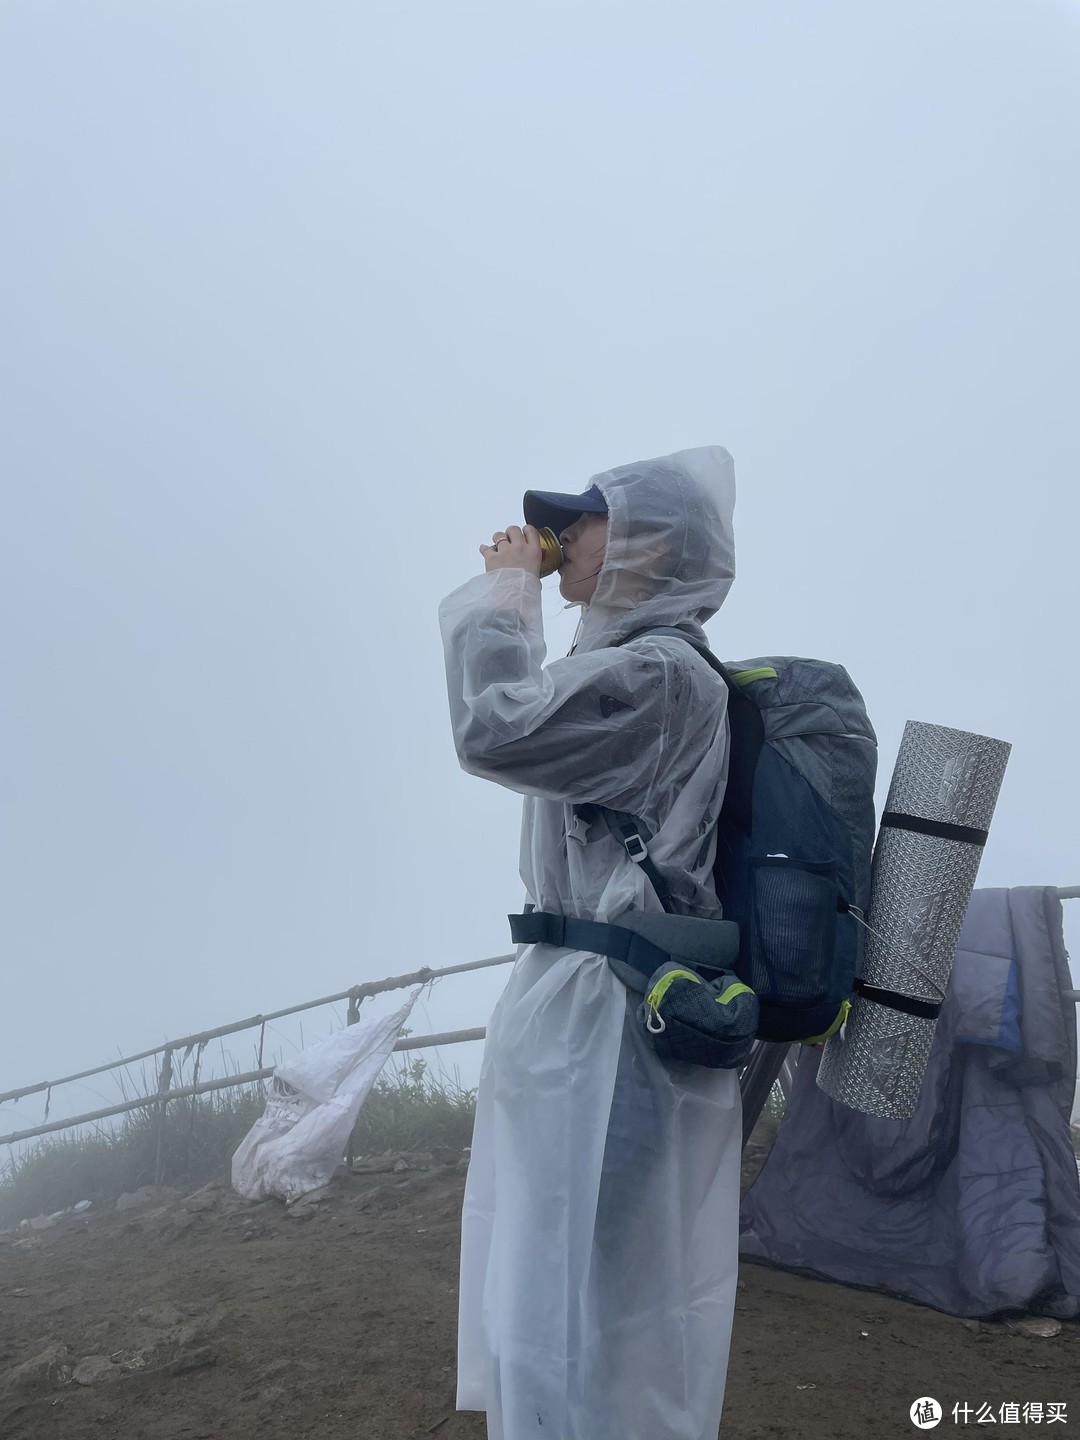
[{"x": 537, "y": 927}]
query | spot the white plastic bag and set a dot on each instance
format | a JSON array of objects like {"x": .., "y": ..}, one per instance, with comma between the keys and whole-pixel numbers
[{"x": 298, "y": 1142}]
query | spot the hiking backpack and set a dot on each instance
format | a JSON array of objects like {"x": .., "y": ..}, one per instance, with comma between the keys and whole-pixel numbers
[{"x": 794, "y": 836}]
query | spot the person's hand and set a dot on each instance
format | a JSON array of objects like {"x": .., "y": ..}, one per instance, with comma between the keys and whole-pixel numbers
[{"x": 514, "y": 548}]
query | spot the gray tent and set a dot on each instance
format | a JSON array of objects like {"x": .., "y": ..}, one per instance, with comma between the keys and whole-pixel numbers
[{"x": 972, "y": 1205}]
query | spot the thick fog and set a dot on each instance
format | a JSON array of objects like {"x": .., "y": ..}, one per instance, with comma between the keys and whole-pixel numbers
[{"x": 298, "y": 299}]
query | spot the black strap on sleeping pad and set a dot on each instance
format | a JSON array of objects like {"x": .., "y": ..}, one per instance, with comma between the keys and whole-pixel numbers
[
  {"x": 940, "y": 829},
  {"x": 893, "y": 1000},
  {"x": 537, "y": 927}
]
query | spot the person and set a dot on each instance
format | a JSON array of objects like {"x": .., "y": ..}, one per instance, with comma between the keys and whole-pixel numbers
[{"x": 600, "y": 1222}]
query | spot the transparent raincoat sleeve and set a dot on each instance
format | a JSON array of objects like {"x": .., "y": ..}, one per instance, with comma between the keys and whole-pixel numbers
[{"x": 588, "y": 728}]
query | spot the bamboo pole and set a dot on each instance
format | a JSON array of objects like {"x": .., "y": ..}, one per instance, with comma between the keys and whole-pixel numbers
[
  {"x": 164, "y": 1083},
  {"x": 369, "y": 987},
  {"x": 412, "y": 1042}
]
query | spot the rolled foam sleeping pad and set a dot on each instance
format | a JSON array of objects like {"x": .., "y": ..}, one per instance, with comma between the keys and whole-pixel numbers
[{"x": 941, "y": 801}]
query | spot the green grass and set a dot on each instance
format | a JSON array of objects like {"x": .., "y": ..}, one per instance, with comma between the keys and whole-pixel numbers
[
  {"x": 408, "y": 1109},
  {"x": 198, "y": 1137}
]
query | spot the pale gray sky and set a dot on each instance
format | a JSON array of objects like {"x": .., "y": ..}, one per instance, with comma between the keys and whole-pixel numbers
[{"x": 297, "y": 299}]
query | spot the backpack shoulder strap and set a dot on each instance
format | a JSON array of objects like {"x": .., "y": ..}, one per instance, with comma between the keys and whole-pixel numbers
[
  {"x": 747, "y": 729},
  {"x": 634, "y": 837}
]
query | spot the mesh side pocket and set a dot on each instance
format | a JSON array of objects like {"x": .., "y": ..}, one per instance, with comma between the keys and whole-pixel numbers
[{"x": 793, "y": 930}]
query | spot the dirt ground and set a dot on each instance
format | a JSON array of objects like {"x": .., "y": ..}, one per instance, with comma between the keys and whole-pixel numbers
[{"x": 213, "y": 1319}]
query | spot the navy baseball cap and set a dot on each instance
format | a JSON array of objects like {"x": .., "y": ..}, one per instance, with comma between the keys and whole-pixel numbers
[{"x": 547, "y": 508}]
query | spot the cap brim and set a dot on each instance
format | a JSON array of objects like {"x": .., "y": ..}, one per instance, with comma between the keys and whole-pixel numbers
[{"x": 549, "y": 508}]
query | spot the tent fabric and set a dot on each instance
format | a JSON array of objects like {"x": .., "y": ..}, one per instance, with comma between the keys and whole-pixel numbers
[{"x": 973, "y": 1204}]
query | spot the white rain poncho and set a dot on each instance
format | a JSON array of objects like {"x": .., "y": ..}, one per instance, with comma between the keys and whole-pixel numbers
[{"x": 600, "y": 1225}]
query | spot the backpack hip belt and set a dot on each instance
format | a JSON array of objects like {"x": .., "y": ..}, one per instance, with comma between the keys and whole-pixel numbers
[
  {"x": 695, "y": 1010},
  {"x": 642, "y": 941}
]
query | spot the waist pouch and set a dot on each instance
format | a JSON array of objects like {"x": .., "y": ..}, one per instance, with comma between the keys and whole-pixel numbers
[{"x": 699, "y": 1022}]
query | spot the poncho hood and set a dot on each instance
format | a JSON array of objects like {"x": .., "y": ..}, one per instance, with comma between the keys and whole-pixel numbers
[{"x": 670, "y": 556}]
